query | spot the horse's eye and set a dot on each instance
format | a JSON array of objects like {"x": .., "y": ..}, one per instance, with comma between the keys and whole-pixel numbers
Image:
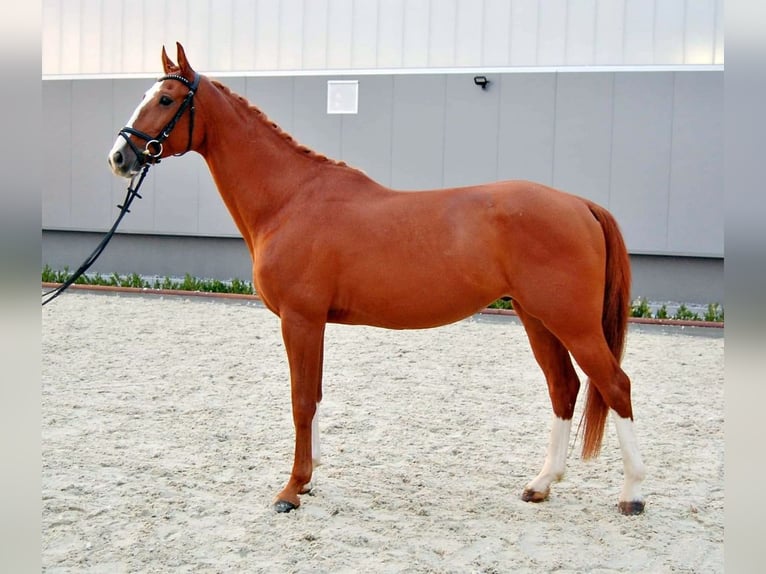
[{"x": 166, "y": 100}]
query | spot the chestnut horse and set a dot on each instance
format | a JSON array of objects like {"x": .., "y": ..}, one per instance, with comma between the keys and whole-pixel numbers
[{"x": 329, "y": 244}]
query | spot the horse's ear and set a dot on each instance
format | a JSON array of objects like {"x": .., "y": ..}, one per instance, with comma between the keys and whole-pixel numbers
[
  {"x": 183, "y": 63},
  {"x": 167, "y": 63}
]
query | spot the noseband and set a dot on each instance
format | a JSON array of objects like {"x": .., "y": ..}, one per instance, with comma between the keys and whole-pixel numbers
[{"x": 153, "y": 147}]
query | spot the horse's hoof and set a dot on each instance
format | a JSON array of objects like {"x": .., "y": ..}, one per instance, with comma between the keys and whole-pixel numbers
[
  {"x": 631, "y": 507},
  {"x": 530, "y": 495},
  {"x": 283, "y": 506}
]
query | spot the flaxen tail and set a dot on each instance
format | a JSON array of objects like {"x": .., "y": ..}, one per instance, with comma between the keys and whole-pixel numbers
[{"x": 614, "y": 320}]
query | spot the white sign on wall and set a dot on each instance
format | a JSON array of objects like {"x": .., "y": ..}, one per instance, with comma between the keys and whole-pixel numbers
[{"x": 342, "y": 96}]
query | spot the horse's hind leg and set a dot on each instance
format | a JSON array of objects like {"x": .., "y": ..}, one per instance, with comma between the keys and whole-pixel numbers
[
  {"x": 612, "y": 391},
  {"x": 563, "y": 386}
]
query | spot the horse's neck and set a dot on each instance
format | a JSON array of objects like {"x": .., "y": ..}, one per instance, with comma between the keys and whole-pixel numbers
[{"x": 256, "y": 169}]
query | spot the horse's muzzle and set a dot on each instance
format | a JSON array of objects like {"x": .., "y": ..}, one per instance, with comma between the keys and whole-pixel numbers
[{"x": 123, "y": 160}]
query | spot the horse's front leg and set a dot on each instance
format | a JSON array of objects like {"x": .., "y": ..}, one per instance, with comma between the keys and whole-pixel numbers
[{"x": 304, "y": 341}]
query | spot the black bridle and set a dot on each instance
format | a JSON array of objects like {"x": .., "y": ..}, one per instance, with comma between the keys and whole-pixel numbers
[
  {"x": 153, "y": 147},
  {"x": 146, "y": 158}
]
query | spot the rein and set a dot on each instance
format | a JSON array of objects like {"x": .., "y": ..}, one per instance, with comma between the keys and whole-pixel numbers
[{"x": 131, "y": 194}]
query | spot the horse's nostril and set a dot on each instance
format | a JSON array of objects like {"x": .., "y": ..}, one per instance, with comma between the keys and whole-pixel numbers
[{"x": 117, "y": 158}]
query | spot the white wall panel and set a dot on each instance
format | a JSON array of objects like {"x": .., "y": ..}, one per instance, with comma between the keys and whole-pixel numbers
[
  {"x": 267, "y": 35},
  {"x": 610, "y": 32},
  {"x": 140, "y": 36},
  {"x": 496, "y": 35},
  {"x": 700, "y": 34},
  {"x": 552, "y": 33},
  {"x": 122, "y": 36},
  {"x": 669, "y": 20},
  {"x": 524, "y": 37},
  {"x": 390, "y": 34},
  {"x": 111, "y": 37},
  {"x": 339, "y": 34},
  {"x": 364, "y": 34},
  {"x": 581, "y": 32},
  {"x": 290, "y": 34},
  {"x": 468, "y": 33},
  {"x": 718, "y": 33},
  {"x": 51, "y": 32},
  {"x": 243, "y": 35},
  {"x": 315, "y": 35},
  {"x": 441, "y": 44},
  {"x": 638, "y": 39},
  {"x": 90, "y": 35},
  {"x": 416, "y": 34},
  {"x": 69, "y": 40},
  {"x": 221, "y": 25}
]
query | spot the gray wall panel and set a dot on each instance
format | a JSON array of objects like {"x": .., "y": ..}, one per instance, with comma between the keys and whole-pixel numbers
[
  {"x": 583, "y": 138},
  {"x": 641, "y": 143},
  {"x": 91, "y": 178},
  {"x": 56, "y": 149},
  {"x": 471, "y": 127},
  {"x": 366, "y": 136},
  {"x": 695, "y": 216},
  {"x": 417, "y": 147},
  {"x": 274, "y": 97},
  {"x": 176, "y": 196},
  {"x": 527, "y": 125}
]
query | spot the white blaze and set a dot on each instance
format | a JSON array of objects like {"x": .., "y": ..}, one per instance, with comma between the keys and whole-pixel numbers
[{"x": 120, "y": 143}]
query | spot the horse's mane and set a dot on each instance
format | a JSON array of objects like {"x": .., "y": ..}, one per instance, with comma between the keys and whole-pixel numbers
[{"x": 251, "y": 109}]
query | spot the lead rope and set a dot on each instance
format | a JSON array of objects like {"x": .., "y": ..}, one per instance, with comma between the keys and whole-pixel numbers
[{"x": 132, "y": 193}]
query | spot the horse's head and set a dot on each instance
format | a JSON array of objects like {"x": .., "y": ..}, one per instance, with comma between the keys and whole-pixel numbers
[{"x": 163, "y": 123}]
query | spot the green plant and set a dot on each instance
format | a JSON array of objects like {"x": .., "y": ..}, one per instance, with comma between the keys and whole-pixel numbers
[
  {"x": 684, "y": 313},
  {"x": 640, "y": 308},
  {"x": 714, "y": 313},
  {"x": 504, "y": 303},
  {"x": 662, "y": 313}
]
